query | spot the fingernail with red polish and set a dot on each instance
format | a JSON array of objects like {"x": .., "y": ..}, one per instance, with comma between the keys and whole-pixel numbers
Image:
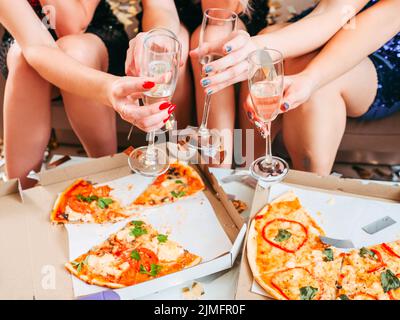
[
  {"x": 165, "y": 120},
  {"x": 172, "y": 109},
  {"x": 165, "y": 105},
  {"x": 148, "y": 84},
  {"x": 285, "y": 107}
]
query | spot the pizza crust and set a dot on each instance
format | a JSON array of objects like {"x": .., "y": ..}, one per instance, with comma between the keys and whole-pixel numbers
[{"x": 112, "y": 285}]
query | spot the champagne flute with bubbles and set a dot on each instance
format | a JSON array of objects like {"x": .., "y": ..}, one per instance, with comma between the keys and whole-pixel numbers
[
  {"x": 266, "y": 90},
  {"x": 160, "y": 60}
]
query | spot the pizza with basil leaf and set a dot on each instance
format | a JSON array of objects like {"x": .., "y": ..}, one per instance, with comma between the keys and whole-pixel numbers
[
  {"x": 135, "y": 254},
  {"x": 179, "y": 182},
  {"x": 289, "y": 261},
  {"x": 83, "y": 202}
]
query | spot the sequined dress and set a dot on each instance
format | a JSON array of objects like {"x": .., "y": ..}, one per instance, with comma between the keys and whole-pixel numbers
[{"x": 387, "y": 64}]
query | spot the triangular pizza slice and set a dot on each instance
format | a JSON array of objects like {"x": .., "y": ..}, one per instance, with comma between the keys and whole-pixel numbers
[
  {"x": 82, "y": 202},
  {"x": 179, "y": 182},
  {"x": 134, "y": 254}
]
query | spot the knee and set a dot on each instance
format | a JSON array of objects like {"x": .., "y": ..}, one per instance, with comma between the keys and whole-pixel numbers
[
  {"x": 16, "y": 61},
  {"x": 82, "y": 49}
]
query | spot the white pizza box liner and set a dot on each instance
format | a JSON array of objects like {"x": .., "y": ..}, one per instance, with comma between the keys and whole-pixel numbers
[
  {"x": 340, "y": 206},
  {"x": 342, "y": 217},
  {"x": 191, "y": 222},
  {"x": 36, "y": 250}
]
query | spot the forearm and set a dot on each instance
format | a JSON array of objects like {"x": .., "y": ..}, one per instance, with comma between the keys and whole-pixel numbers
[
  {"x": 156, "y": 16},
  {"x": 313, "y": 31},
  {"x": 69, "y": 75},
  {"x": 42, "y": 53},
  {"x": 374, "y": 27}
]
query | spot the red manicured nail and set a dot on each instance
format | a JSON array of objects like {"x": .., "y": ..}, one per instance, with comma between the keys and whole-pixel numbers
[
  {"x": 172, "y": 109},
  {"x": 165, "y": 120},
  {"x": 165, "y": 105},
  {"x": 148, "y": 84}
]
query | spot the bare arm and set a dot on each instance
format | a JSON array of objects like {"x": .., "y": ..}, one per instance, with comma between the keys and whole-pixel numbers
[
  {"x": 72, "y": 16},
  {"x": 42, "y": 53},
  {"x": 314, "y": 30},
  {"x": 160, "y": 14},
  {"x": 374, "y": 27}
]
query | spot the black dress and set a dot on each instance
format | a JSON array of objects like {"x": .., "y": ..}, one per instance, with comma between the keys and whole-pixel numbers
[
  {"x": 104, "y": 24},
  {"x": 191, "y": 15}
]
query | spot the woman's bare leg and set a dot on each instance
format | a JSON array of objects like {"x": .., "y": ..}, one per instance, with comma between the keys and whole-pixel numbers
[
  {"x": 27, "y": 118},
  {"x": 313, "y": 131},
  {"x": 183, "y": 96},
  {"x": 223, "y": 104},
  {"x": 93, "y": 123}
]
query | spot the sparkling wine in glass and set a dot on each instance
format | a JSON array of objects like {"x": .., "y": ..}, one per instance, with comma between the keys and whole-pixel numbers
[
  {"x": 266, "y": 90},
  {"x": 217, "y": 24},
  {"x": 160, "y": 60}
]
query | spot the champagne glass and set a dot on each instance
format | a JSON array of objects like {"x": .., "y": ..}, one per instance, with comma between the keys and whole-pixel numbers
[
  {"x": 217, "y": 24},
  {"x": 266, "y": 91},
  {"x": 169, "y": 125},
  {"x": 160, "y": 60}
]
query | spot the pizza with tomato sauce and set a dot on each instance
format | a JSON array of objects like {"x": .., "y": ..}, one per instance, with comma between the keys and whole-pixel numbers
[
  {"x": 283, "y": 243},
  {"x": 290, "y": 262},
  {"x": 82, "y": 202},
  {"x": 371, "y": 273},
  {"x": 135, "y": 254},
  {"x": 179, "y": 182}
]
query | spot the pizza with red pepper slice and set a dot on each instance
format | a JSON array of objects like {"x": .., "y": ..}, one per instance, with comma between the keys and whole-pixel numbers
[
  {"x": 82, "y": 202},
  {"x": 135, "y": 254},
  {"x": 179, "y": 182},
  {"x": 370, "y": 273}
]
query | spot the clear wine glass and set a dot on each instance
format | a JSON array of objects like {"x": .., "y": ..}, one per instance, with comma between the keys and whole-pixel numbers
[
  {"x": 217, "y": 24},
  {"x": 160, "y": 60},
  {"x": 170, "y": 124},
  {"x": 266, "y": 89}
]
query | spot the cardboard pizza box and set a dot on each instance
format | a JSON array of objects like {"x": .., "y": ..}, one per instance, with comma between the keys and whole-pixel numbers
[
  {"x": 34, "y": 251},
  {"x": 330, "y": 184}
]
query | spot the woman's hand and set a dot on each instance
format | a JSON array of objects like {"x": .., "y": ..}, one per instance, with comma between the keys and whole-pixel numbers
[
  {"x": 297, "y": 90},
  {"x": 232, "y": 67},
  {"x": 124, "y": 94}
]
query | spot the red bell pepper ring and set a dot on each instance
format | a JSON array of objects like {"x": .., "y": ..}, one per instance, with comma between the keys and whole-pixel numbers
[
  {"x": 389, "y": 250},
  {"x": 276, "y": 245},
  {"x": 380, "y": 264}
]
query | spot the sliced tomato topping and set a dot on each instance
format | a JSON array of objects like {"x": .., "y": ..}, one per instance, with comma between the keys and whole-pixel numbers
[
  {"x": 390, "y": 250},
  {"x": 147, "y": 258},
  {"x": 79, "y": 206},
  {"x": 289, "y": 282},
  {"x": 281, "y": 245},
  {"x": 379, "y": 262},
  {"x": 362, "y": 296}
]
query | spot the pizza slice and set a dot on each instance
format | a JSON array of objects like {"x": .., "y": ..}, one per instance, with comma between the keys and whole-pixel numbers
[
  {"x": 82, "y": 202},
  {"x": 134, "y": 254},
  {"x": 316, "y": 281},
  {"x": 284, "y": 236},
  {"x": 180, "y": 181},
  {"x": 367, "y": 274}
]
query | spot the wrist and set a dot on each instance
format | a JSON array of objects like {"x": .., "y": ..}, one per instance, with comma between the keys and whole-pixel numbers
[
  {"x": 314, "y": 78},
  {"x": 108, "y": 90}
]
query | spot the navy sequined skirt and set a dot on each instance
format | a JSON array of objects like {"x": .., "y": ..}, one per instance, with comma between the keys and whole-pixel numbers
[{"x": 387, "y": 64}]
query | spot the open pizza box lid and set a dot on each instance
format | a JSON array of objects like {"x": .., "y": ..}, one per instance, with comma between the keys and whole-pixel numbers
[
  {"x": 35, "y": 251},
  {"x": 332, "y": 185}
]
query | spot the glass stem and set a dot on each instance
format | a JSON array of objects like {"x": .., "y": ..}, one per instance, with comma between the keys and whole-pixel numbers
[
  {"x": 268, "y": 150},
  {"x": 151, "y": 154},
  {"x": 203, "y": 126}
]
